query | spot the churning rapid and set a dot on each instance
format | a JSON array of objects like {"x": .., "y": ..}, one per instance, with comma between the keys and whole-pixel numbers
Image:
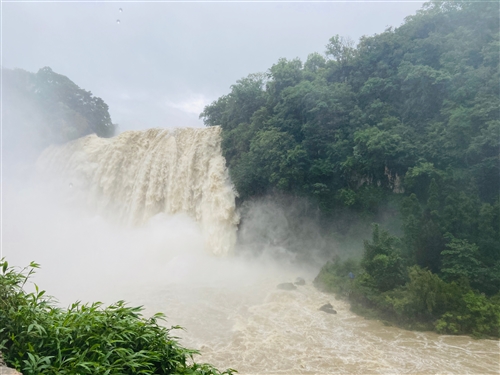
[{"x": 139, "y": 174}]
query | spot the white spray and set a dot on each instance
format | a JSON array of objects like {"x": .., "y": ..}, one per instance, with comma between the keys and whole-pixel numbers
[{"x": 139, "y": 174}]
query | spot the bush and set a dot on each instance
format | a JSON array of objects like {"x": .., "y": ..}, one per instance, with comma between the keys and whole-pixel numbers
[
  {"x": 334, "y": 277},
  {"x": 38, "y": 337},
  {"x": 477, "y": 315},
  {"x": 382, "y": 260},
  {"x": 425, "y": 302}
]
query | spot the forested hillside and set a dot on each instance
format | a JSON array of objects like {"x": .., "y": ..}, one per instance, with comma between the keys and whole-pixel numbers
[
  {"x": 45, "y": 107},
  {"x": 406, "y": 118}
]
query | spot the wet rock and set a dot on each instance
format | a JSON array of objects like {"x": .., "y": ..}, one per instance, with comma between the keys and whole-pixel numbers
[
  {"x": 328, "y": 308},
  {"x": 300, "y": 281},
  {"x": 286, "y": 286},
  {"x": 4, "y": 370},
  {"x": 8, "y": 371}
]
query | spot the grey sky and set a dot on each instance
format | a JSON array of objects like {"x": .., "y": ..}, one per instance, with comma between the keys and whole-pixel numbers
[{"x": 164, "y": 61}]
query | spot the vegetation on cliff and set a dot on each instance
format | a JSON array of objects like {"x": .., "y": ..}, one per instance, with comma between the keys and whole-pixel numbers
[
  {"x": 387, "y": 287},
  {"x": 37, "y": 337},
  {"x": 406, "y": 123},
  {"x": 44, "y": 108}
]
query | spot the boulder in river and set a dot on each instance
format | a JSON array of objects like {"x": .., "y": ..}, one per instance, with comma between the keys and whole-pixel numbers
[
  {"x": 300, "y": 281},
  {"x": 328, "y": 308},
  {"x": 286, "y": 286}
]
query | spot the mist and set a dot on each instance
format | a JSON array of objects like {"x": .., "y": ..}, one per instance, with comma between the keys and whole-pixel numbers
[
  {"x": 88, "y": 255},
  {"x": 163, "y": 59},
  {"x": 103, "y": 232},
  {"x": 163, "y": 264}
]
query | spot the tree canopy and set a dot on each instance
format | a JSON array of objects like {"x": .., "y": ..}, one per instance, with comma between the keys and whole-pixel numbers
[{"x": 45, "y": 107}]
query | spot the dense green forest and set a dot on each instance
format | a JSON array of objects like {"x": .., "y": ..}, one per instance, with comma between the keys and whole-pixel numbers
[
  {"x": 406, "y": 121},
  {"x": 44, "y": 108}
]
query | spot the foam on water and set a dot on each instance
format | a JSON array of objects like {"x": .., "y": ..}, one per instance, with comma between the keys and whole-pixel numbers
[{"x": 259, "y": 329}]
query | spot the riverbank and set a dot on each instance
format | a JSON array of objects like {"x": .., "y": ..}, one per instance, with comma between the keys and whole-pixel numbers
[{"x": 422, "y": 302}]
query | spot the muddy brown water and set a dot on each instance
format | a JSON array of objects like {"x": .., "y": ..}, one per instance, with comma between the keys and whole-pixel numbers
[
  {"x": 258, "y": 329},
  {"x": 234, "y": 314}
]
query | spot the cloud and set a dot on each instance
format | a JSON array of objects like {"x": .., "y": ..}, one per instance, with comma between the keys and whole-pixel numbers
[
  {"x": 166, "y": 61},
  {"x": 194, "y": 105}
]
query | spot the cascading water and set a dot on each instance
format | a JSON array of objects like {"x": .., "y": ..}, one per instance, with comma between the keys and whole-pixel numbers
[{"x": 139, "y": 174}]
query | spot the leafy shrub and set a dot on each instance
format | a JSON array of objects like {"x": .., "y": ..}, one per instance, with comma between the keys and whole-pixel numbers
[
  {"x": 425, "y": 302},
  {"x": 334, "y": 277},
  {"x": 477, "y": 315},
  {"x": 37, "y": 337},
  {"x": 382, "y": 260}
]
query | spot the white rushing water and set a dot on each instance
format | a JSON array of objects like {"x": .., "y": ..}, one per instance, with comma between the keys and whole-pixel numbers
[
  {"x": 140, "y": 216},
  {"x": 138, "y": 174}
]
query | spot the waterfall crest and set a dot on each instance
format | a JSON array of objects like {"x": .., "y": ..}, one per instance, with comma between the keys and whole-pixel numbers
[{"x": 139, "y": 174}]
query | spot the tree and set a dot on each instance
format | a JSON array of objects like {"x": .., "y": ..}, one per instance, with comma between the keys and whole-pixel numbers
[
  {"x": 71, "y": 107},
  {"x": 314, "y": 63},
  {"x": 382, "y": 260},
  {"x": 43, "y": 108},
  {"x": 341, "y": 49},
  {"x": 460, "y": 260}
]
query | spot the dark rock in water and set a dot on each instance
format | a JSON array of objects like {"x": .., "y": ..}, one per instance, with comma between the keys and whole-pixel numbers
[
  {"x": 328, "y": 308},
  {"x": 300, "y": 281},
  {"x": 286, "y": 286}
]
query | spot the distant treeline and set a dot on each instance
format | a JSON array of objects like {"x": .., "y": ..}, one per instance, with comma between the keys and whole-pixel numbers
[
  {"x": 45, "y": 107},
  {"x": 406, "y": 120}
]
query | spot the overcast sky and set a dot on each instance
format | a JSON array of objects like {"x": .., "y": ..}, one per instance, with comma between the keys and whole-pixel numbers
[{"x": 163, "y": 62}]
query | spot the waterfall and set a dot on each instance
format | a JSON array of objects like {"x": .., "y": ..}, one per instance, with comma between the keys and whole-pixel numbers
[{"x": 139, "y": 174}]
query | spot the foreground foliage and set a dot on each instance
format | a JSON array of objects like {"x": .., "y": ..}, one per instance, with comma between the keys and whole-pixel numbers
[
  {"x": 411, "y": 297},
  {"x": 36, "y": 337}
]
